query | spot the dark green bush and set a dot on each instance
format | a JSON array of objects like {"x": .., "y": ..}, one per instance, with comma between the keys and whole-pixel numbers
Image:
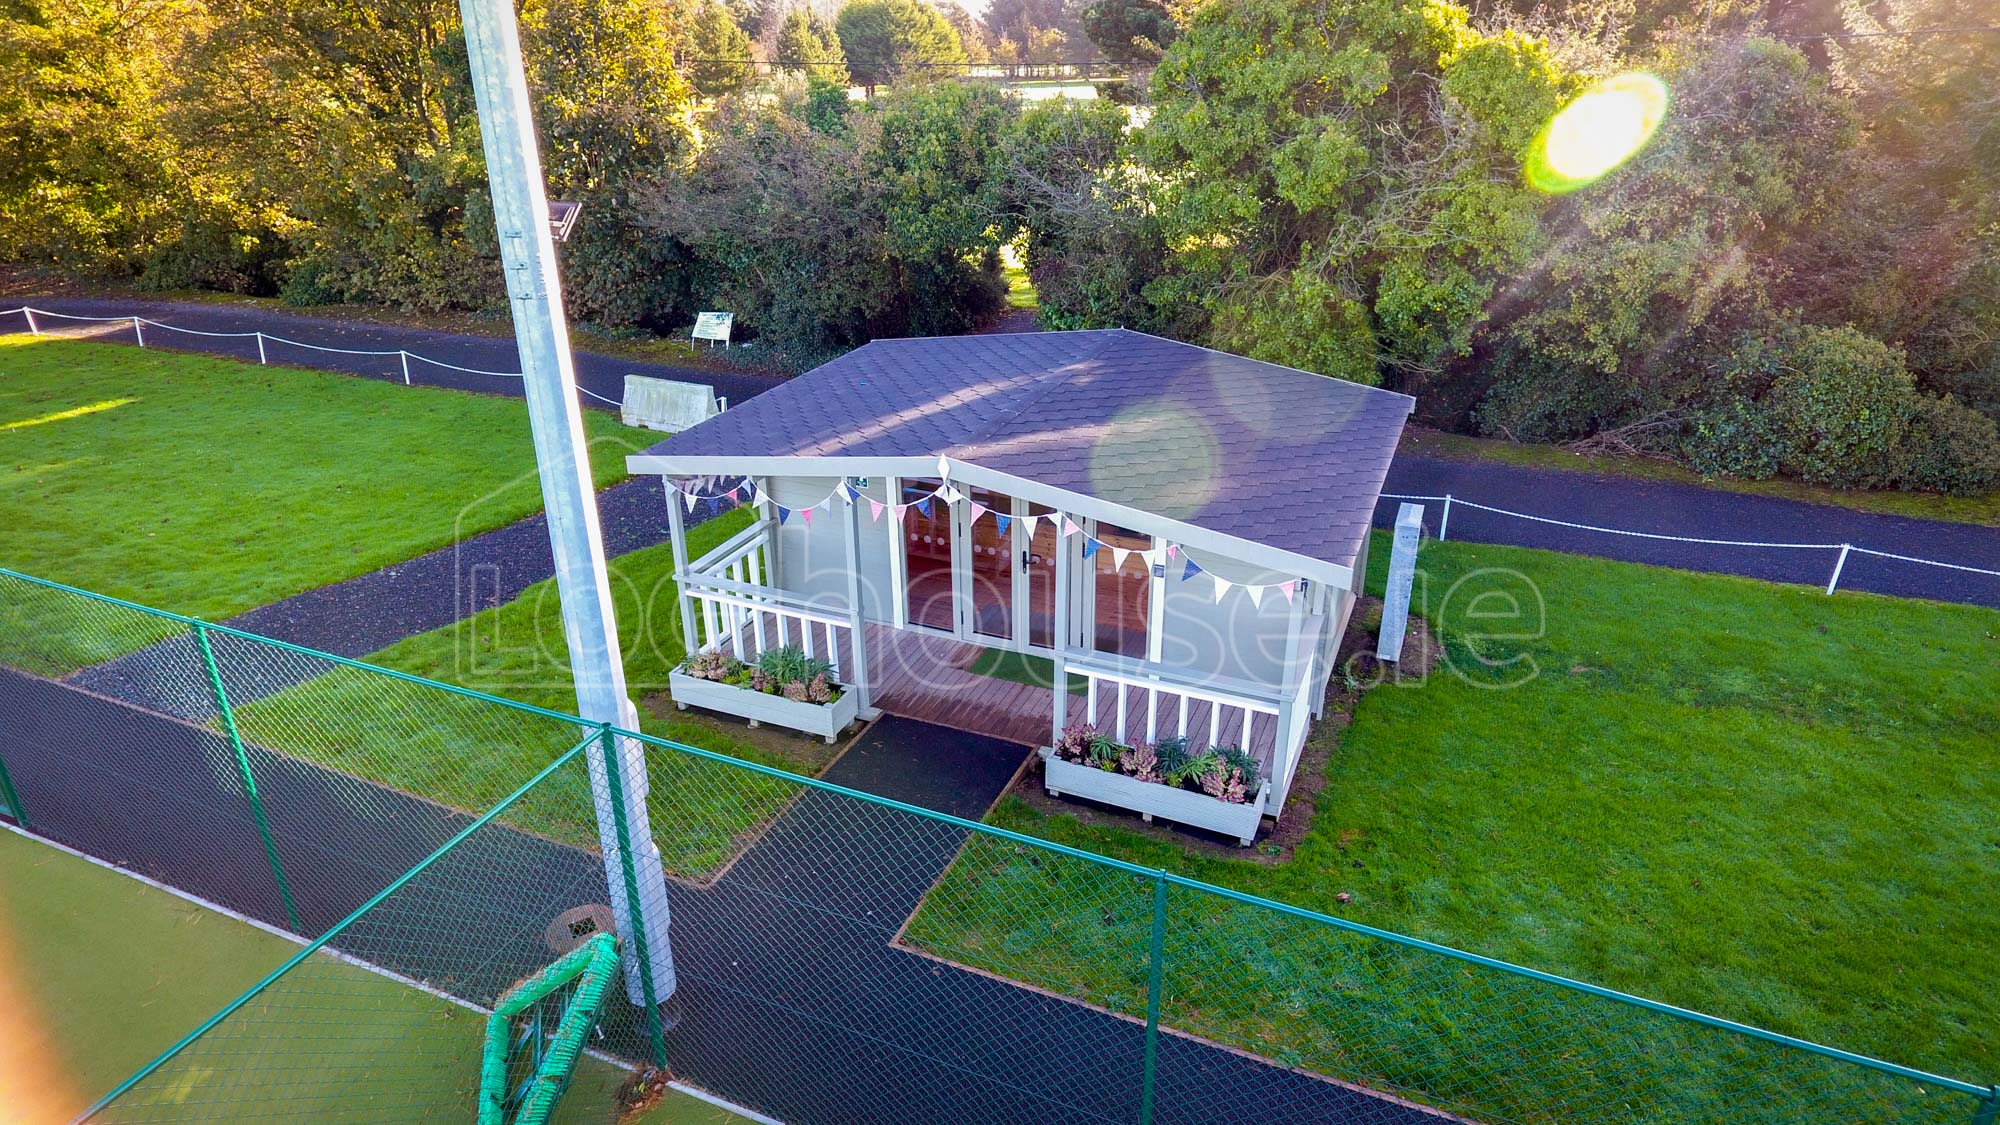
[
  {"x": 1948, "y": 447},
  {"x": 1839, "y": 406}
]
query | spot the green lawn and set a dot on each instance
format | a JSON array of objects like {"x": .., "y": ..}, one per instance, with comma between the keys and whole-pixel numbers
[
  {"x": 1748, "y": 799},
  {"x": 99, "y": 973},
  {"x": 470, "y": 754},
  {"x": 209, "y": 486}
]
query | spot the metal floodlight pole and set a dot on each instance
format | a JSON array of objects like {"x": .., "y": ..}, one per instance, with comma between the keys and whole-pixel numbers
[{"x": 527, "y": 251}]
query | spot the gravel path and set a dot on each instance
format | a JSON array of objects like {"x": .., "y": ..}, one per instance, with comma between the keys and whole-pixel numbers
[{"x": 379, "y": 605}]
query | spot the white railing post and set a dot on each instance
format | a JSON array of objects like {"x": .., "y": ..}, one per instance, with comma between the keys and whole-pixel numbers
[
  {"x": 1839, "y": 565},
  {"x": 1444, "y": 521},
  {"x": 677, "y": 535},
  {"x": 33, "y": 328},
  {"x": 857, "y": 648},
  {"x": 138, "y": 332},
  {"x": 1060, "y": 706},
  {"x": 405, "y": 357},
  {"x": 260, "y": 350}
]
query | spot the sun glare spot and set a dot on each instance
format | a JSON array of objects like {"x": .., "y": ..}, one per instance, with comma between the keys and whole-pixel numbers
[
  {"x": 1603, "y": 128},
  {"x": 65, "y": 415}
]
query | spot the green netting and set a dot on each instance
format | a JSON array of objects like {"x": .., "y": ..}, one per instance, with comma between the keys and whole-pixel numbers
[{"x": 838, "y": 957}]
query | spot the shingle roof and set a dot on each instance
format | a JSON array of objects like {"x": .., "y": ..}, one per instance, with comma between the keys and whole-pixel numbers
[{"x": 1265, "y": 453}]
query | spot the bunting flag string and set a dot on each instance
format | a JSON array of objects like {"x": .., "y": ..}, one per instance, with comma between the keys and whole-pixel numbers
[{"x": 1289, "y": 587}]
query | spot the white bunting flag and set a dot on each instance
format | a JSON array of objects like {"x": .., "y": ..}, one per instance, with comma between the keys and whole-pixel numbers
[
  {"x": 1221, "y": 587},
  {"x": 690, "y": 498},
  {"x": 944, "y": 469},
  {"x": 951, "y": 495},
  {"x": 1118, "y": 557},
  {"x": 1256, "y": 595}
]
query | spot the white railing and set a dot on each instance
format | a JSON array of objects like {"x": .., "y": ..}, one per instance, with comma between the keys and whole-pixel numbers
[{"x": 1247, "y": 699}]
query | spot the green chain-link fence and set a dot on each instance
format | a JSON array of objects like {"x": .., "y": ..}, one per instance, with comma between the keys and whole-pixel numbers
[{"x": 839, "y": 957}]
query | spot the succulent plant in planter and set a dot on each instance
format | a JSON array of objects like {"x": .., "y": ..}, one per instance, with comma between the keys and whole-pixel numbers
[
  {"x": 1141, "y": 761},
  {"x": 1239, "y": 759},
  {"x": 1074, "y": 745},
  {"x": 1225, "y": 783},
  {"x": 795, "y": 691},
  {"x": 820, "y": 690},
  {"x": 718, "y": 666},
  {"x": 1104, "y": 752}
]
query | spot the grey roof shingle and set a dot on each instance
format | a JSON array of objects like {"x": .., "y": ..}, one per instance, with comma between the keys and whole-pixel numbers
[{"x": 1265, "y": 453}]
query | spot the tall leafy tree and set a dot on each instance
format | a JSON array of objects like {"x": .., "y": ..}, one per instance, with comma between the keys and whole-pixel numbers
[
  {"x": 1344, "y": 182},
  {"x": 720, "y": 50},
  {"x": 1135, "y": 32},
  {"x": 1673, "y": 254},
  {"x": 89, "y": 177},
  {"x": 614, "y": 115},
  {"x": 810, "y": 44},
  {"x": 890, "y": 39}
]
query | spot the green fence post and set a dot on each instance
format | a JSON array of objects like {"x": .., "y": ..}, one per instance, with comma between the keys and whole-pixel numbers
[
  {"x": 1989, "y": 1108},
  {"x": 249, "y": 782},
  {"x": 1155, "y": 974},
  {"x": 614, "y": 781},
  {"x": 10, "y": 797}
]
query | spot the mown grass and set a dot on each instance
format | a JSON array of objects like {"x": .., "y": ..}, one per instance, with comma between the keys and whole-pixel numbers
[
  {"x": 1749, "y": 799},
  {"x": 469, "y": 753},
  {"x": 100, "y": 973},
  {"x": 1917, "y": 505},
  {"x": 209, "y": 486}
]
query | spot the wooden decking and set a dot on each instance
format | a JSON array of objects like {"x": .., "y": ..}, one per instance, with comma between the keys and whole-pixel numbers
[{"x": 919, "y": 676}]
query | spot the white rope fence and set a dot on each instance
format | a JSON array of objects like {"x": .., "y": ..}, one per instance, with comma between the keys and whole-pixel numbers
[
  {"x": 1832, "y": 583},
  {"x": 140, "y": 324}
]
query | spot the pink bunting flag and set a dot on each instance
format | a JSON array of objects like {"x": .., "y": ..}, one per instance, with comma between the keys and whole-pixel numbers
[
  {"x": 1173, "y": 551},
  {"x": 806, "y": 514},
  {"x": 897, "y": 511},
  {"x": 978, "y": 510},
  {"x": 875, "y": 510},
  {"x": 1290, "y": 588},
  {"x": 1069, "y": 526}
]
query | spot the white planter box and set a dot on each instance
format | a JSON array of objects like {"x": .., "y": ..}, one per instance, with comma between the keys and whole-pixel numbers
[
  {"x": 1151, "y": 799},
  {"x": 826, "y": 720}
]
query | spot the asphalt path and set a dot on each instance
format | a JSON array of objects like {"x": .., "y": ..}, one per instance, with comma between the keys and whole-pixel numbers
[{"x": 1656, "y": 507}]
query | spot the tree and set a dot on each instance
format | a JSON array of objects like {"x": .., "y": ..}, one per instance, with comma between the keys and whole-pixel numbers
[
  {"x": 1347, "y": 204},
  {"x": 1135, "y": 32},
  {"x": 719, "y": 49},
  {"x": 614, "y": 114},
  {"x": 1027, "y": 24},
  {"x": 889, "y": 39},
  {"x": 91, "y": 179},
  {"x": 1093, "y": 237},
  {"x": 811, "y": 45},
  {"x": 1670, "y": 258}
]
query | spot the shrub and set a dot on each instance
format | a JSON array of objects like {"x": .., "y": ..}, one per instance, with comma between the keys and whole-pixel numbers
[
  {"x": 1840, "y": 406},
  {"x": 1074, "y": 745},
  {"x": 1948, "y": 447}
]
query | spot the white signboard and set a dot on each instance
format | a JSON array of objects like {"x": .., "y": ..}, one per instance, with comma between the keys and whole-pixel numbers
[
  {"x": 713, "y": 326},
  {"x": 1402, "y": 575}
]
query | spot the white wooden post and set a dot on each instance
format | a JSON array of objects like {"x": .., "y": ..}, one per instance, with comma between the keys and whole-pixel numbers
[
  {"x": 856, "y": 630},
  {"x": 899, "y": 579},
  {"x": 677, "y": 534},
  {"x": 1444, "y": 521},
  {"x": 33, "y": 328},
  {"x": 260, "y": 350},
  {"x": 139, "y": 331},
  {"x": 1059, "y": 634},
  {"x": 1291, "y": 685},
  {"x": 1838, "y": 566},
  {"x": 405, "y": 357},
  {"x": 1402, "y": 573}
]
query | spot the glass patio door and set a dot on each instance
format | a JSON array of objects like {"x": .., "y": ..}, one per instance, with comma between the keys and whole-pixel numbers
[
  {"x": 991, "y": 565},
  {"x": 929, "y": 590}
]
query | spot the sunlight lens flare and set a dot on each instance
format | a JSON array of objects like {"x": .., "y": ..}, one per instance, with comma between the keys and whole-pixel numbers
[{"x": 1602, "y": 129}]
